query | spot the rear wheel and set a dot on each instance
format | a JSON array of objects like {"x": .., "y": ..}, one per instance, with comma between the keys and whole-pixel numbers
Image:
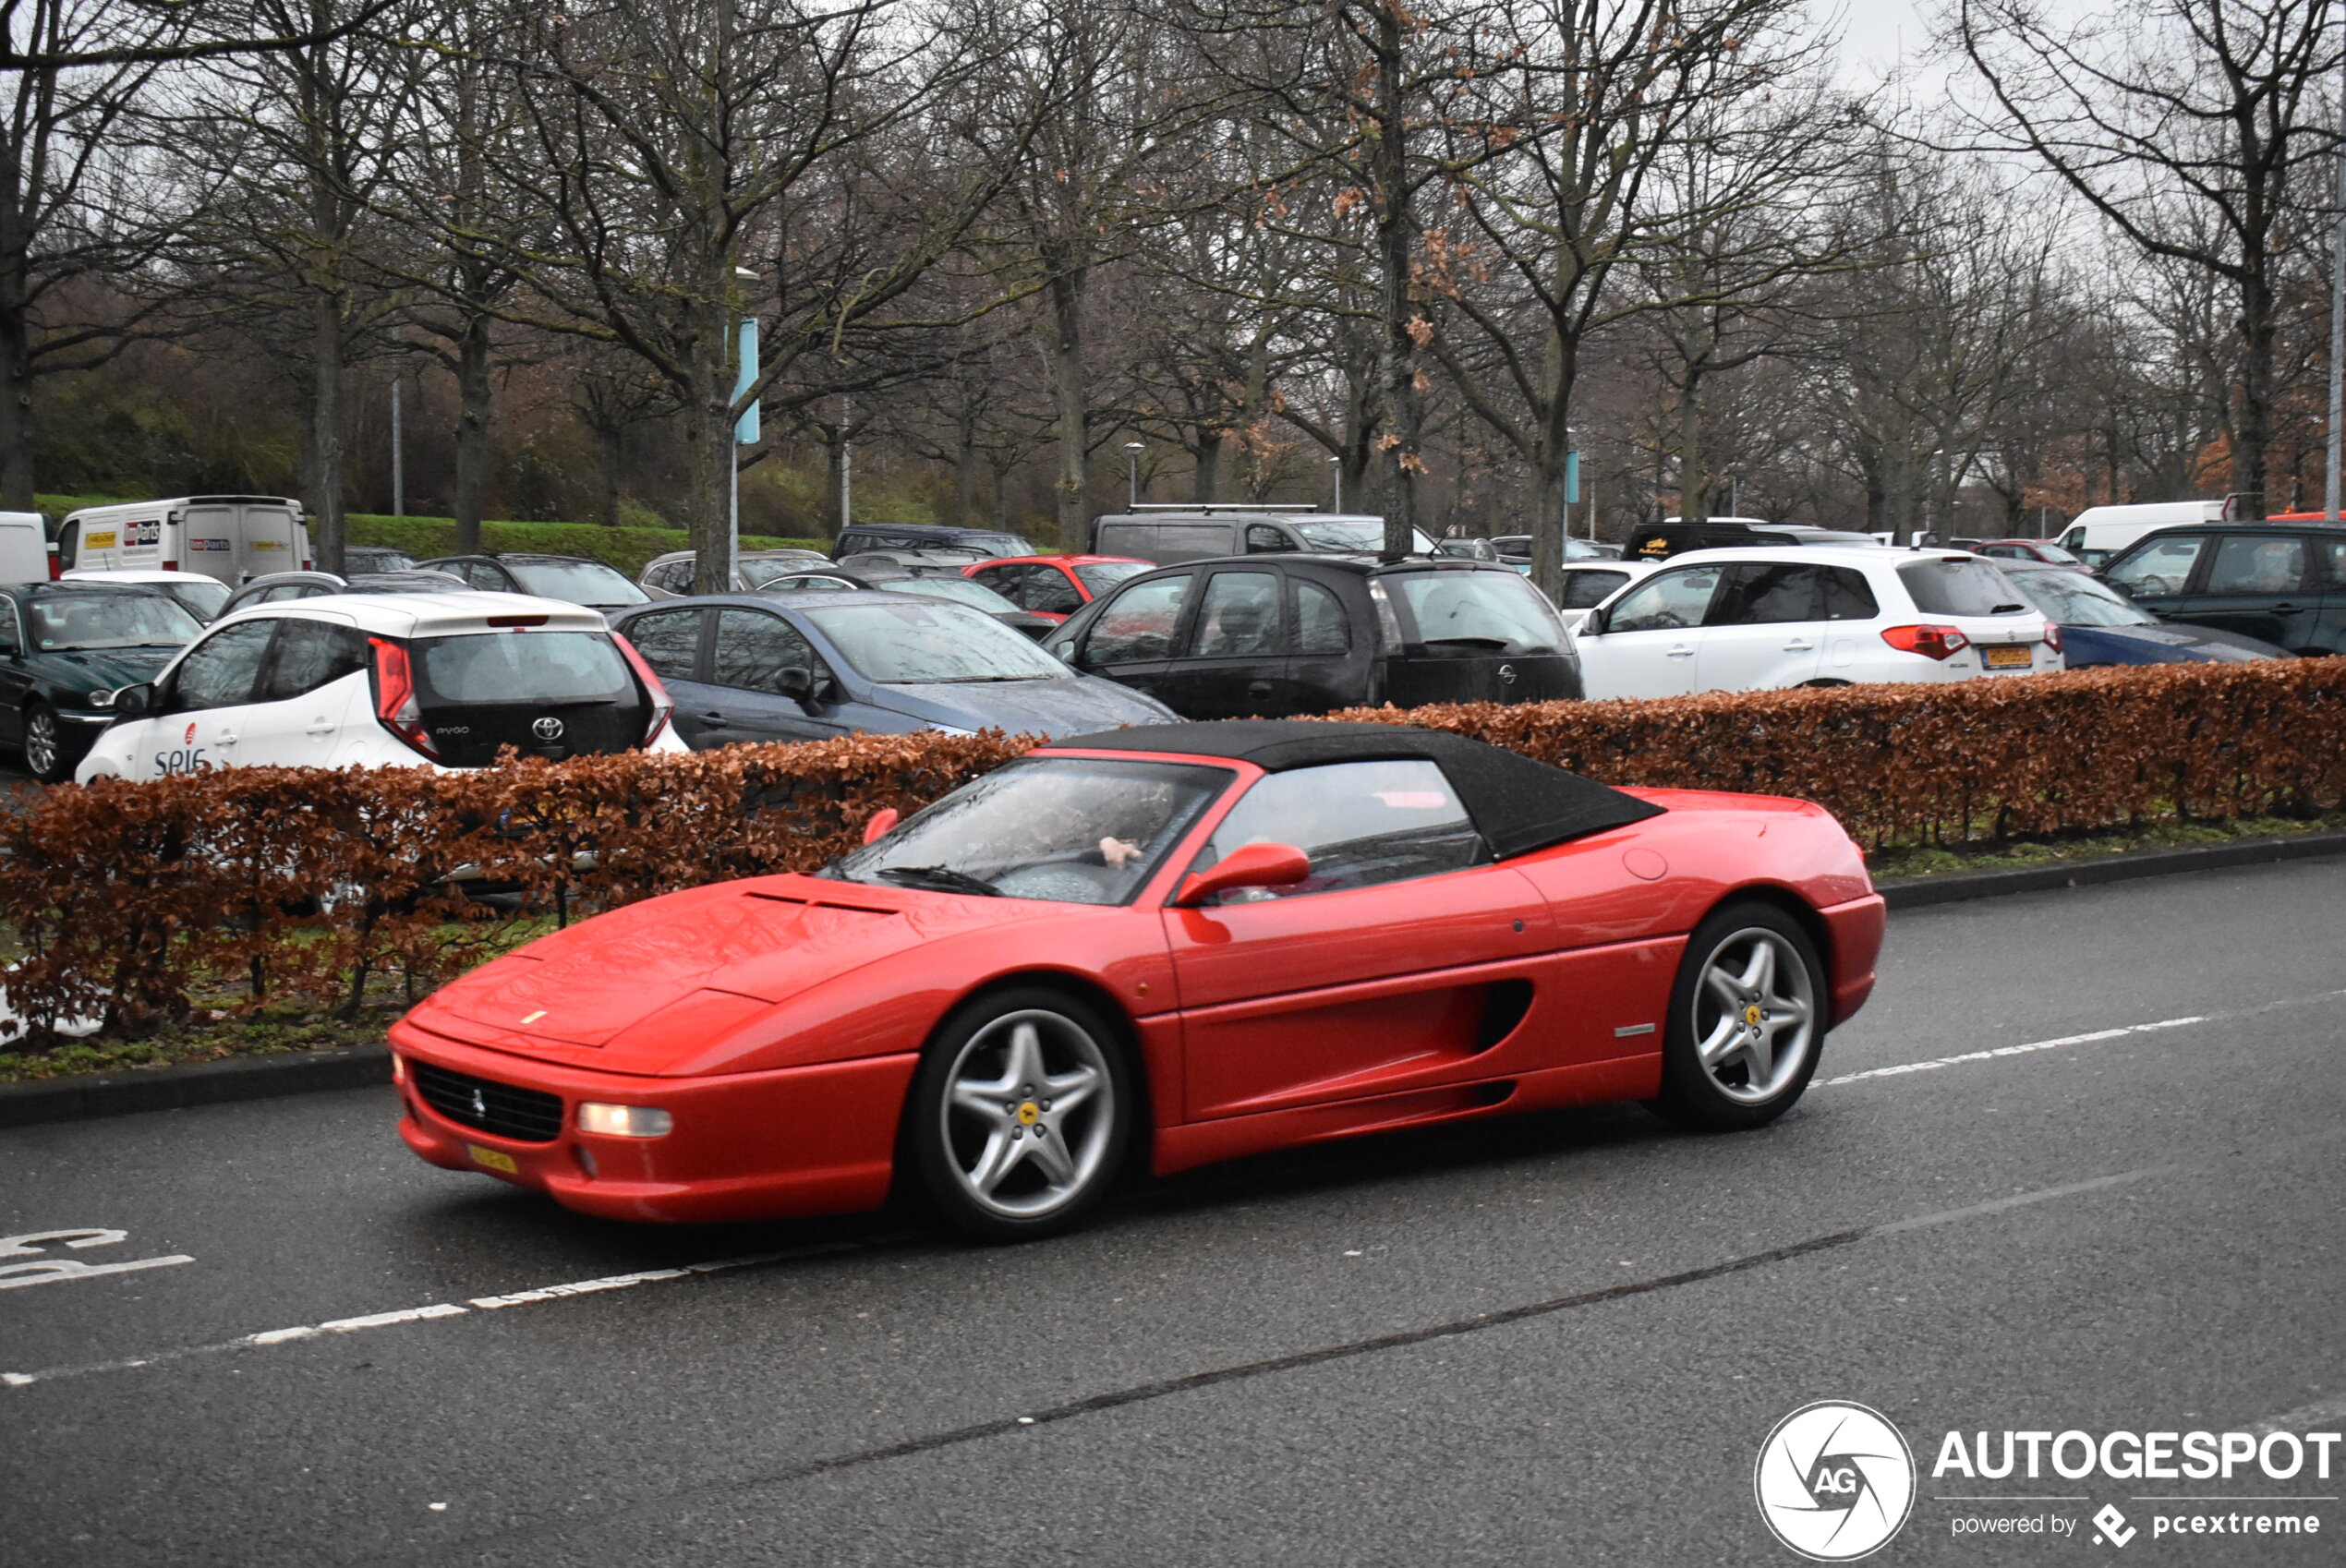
[
  {"x": 48, "y": 755},
  {"x": 1747, "y": 1020},
  {"x": 1021, "y": 1112}
]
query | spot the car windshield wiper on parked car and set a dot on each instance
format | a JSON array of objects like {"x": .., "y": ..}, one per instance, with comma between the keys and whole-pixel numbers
[
  {"x": 1466, "y": 643},
  {"x": 942, "y": 878}
]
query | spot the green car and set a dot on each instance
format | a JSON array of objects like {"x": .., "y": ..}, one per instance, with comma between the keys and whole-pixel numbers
[{"x": 65, "y": 649}]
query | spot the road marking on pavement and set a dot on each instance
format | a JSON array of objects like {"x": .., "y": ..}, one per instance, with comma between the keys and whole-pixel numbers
[
  {"x": 1900, "y": 1068},
  {"x": 2322, "y": 1412},
  {"x": 50, "y": 1270}
]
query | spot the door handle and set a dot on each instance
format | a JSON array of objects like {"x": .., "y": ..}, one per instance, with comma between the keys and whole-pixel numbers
[
  {"x": 711, "y": 718},
  {"x": 1682, "y": 651},
  {"x": 225, "y": 740},
  {"x": 2285, "y": 609},
  {"x": 323, "y": 727},
  {"x": 1258, "y": 688},
  {"x": 1800, "y": 647}
]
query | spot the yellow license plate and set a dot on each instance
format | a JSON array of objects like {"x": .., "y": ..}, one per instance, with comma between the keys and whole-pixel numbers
[
  {"x": 496, "y": 1160},
  {"x": 2015, "y": 656}
]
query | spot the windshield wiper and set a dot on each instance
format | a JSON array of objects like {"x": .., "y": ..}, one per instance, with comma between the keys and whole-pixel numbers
[
  {"x": 1499, "y": 643},
  {"x": 941, "y": 878}
]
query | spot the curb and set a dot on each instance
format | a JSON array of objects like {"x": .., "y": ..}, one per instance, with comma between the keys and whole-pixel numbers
[
  {"x": 1919, "y": 892},
  {"x": 357, "y": 1067},
  {"x": 191, "y": 1084}
]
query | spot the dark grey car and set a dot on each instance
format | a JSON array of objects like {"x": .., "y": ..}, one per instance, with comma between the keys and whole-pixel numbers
[{"x": 809, "y": 665}]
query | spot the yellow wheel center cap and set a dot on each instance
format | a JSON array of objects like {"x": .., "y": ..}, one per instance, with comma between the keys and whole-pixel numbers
[
  {"x": 1751, "y": 1015},
  {"x": 1027, "y": 1113}
]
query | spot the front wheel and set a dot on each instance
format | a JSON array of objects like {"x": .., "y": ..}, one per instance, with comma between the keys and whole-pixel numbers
[
  {"x": 46, "y": 755},
  {"x": 1747, "y": 1020},
  {"x": 1020, "y": 1113}
]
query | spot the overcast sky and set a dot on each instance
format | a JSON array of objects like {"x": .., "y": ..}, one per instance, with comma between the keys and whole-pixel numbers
[{"x": 1874, "y": 34}]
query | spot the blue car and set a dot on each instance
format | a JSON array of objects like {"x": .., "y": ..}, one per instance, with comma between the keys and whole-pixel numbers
[
  {"x": 2101, "y": 625},
  {"x": 808, "y": 665}
]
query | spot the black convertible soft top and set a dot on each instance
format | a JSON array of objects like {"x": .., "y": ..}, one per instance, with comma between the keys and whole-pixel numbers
[{"x": 1517, "y": 804}]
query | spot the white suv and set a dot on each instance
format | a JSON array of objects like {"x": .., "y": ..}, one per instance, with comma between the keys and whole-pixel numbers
[
  {"x": 1769, "y": 617},
  {"x": 387, "y": 681}
]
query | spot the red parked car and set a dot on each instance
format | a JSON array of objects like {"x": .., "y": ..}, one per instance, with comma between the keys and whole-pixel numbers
[
  {"x": 1056, "y": 585},
  {"x": 1161, "y": 947}
]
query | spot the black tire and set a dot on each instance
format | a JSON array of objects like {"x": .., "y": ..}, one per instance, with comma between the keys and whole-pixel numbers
[
  {"x": 979, "y": 1094},
  {"x": 49, "y": 755},
  {"x": 1721, "y": 1096}
]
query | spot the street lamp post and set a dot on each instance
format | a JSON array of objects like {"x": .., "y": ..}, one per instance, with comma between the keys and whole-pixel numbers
[
  {"x": 1336, "y": 466},
  {"x": 2337, "y": 326},
  {"x": 744, "y": 431},
  {"x": 1132, "y": 474}
]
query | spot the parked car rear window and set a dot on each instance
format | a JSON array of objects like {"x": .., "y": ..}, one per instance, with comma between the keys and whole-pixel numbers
[
  {"x": 579, "y": 582},
  {"x": 514, "y": 667},
  {"x": 1960, "y": 587},
  {"x": 1101, "y": 575},
  {"x": 1354, "y": 537},
  {"x": 68, "y": 621},
  {"x": 913, "y": 643},
  {"x": 960, "y": 590},
  {"x": 1494, "y": 609}
]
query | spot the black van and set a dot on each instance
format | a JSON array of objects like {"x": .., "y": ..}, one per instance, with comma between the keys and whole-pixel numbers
[
  {"x": 857, "y": 538},
  {"x": 1275, "y": 636}
]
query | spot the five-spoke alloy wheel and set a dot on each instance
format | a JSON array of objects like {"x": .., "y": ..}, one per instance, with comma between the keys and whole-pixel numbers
[
  {"x": 1747, "y": 1017},
  {"x": 45, "y": 754},
  {"x": 1019, "y": 1113}
]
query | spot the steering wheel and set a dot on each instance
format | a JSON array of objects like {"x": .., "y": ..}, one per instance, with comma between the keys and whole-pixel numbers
[{"x": 2154, "y": 586}]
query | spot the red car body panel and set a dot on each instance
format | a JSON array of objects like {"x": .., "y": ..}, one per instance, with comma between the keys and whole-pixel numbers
[
  {"x": 780, "y": 1018},
  {"x": 1064, "y": 564}
]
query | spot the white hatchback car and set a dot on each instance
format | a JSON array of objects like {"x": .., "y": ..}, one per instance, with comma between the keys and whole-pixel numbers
[
  {"x": 1769, "y": 617},
  {"x": 388, "y": 680}
]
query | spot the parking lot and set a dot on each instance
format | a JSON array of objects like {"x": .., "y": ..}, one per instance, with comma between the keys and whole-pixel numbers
[{"x": 2074, "y": 1168}]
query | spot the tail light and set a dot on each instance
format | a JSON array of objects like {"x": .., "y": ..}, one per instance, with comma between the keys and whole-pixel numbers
[
  {"x": 308, "y": 566},
  {"x": 661, "y": 704},
  {"x": 395, "y": 704},
  {"x": 1931, "y": 642},
  {"x": 2052, "y": 636},
  {"x": 171, "y": 566},
  {"x": 56, "y": 565}
]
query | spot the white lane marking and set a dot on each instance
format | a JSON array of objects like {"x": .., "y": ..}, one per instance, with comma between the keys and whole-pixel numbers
[
  {"x": 2320, "y": 1412},
  {"x": 50, "y": 1270},
  {"x": 442, "y": 1310}
]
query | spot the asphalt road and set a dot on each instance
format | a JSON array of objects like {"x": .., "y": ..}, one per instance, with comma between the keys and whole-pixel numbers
[{"x": 2137, "y": 1230}]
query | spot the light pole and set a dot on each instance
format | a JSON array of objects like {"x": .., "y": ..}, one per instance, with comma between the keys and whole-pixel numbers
[
  {"x": 1132, "y": 474},
  {"x": 744, "y": 432},
  {"x": 1336, "y": 466},
  {"x": 399, "y": 450},
  {"x": 2337, "y": 326}
]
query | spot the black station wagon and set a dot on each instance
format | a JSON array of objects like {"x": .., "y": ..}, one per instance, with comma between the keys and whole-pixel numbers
[{"x": 1275, "y": 637}]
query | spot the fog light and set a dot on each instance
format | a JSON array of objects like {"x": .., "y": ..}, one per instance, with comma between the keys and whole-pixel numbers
[
  {"x": 398, "y": 1068},
  {"x": 624, "y": 1121}
]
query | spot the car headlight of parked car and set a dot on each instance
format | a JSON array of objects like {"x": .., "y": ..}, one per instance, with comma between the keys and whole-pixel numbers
[{"x": 101, "y": 698}]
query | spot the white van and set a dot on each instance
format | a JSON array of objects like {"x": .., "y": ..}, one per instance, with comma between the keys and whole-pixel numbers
[
  {"x": 230, "y": 537},
  {"x": 24, "y": 546},
  {"x": 2098, "y": 532}
]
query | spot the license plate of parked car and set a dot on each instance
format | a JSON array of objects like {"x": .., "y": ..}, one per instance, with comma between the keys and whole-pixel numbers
[{"x": 2016, "y": 656}]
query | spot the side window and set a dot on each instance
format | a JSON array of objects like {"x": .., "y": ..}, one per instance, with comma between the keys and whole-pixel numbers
[
  {"x": 1049, "y": 590},
  {"x": 1362, "y": 823},
  {"x": 2337, "y": 553},
  {"x": 669, "y": 642},
  {"x": 1848, "y": 597},
  {"x": 310, "y": 654},
  {"x": 1007, "y": 581},
  {"x": 1320, "y": 626},
  {"x": 676, "y": 577},
  {"x": 1139, "y": 624},
  {"x": 10, "y": 643},
  {"x": 489, "y": 578},
  {"x": 2161, "y": 567},
  {"x": 1240, "y": 615},
  {"x": 1263, "y": 539},
  {"x": 1666, "y": 601},
  {"x": 1586, "y": 590},
  {"x": 1763, "y": 593},
  {"x": 754, "y": 648},
  {"x": 222, "y": 670},
  {"x": 2258, "y": 564}
]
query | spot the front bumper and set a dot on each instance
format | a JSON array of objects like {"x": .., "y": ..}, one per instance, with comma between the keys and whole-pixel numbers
[
  {"x": 760, "y": 1145},
  {"x": 1855, "y": 932}
]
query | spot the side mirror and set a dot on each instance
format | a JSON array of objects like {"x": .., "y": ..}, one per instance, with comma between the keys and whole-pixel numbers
[
  {"x": 135, "y": 702},
  {"x": 1249, "y": 865},
  {"x": 883, "y": 822},
  {"x": 796, "y": 683},
  {"x": 1594, "y": 624}
]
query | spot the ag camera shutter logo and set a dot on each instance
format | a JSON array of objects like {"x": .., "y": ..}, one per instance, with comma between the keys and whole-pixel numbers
[{"x": 1835, "y": 1481}]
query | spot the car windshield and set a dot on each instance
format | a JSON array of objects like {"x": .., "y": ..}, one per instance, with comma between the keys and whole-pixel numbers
[
  {"x": 64, "y": 622},
  {"x": 532, "y": 666},
  {"x": 1099, "y": 576},
  {"x": 960, "y": 590},
  {"x": 1494, "y": 611},
  {"x": 576, "y": 582},
  {"x": 989, "y": 544},
  {"x": 2071, "y": 598},
  {"x": 1964, "y": 585},
  {"x": 2054, "y": 552},
  {"x": 1352, "y": 535},
  {"x": 920, "y": 644},
  {"x": 759, "y": 573},
  {"x": 378, "y": 561},
  {"x": 203, "y": 596},
  {"x": 1074, "y": 830}
]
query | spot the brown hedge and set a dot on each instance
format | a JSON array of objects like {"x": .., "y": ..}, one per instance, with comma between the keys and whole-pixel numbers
[{"x": 132, "y": 902}]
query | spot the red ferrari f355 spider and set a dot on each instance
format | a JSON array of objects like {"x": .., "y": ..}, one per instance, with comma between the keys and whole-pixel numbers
[{"x": 1175, "y": 944}]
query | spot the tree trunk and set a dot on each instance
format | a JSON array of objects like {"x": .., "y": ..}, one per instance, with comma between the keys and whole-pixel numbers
[
  {"x": 608, "y": 453},
  {"x": 1073, "y": 393},
  {"x": 1694, "y": 490},
  {"x": 324, "y": 479},
  {"x": 16, "y": 390},
  {"x": 472, "y": 433},
  {"x": 1398, "y": 368},
  {"x": 965, "y": 470},
  {"x": 834, "y": 476},
  {"x": 1209, "y": 464},
  {"x": 2256, "y": 333}
]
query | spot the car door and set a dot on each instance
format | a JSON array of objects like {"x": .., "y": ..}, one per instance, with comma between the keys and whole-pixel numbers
[
  {"x": 2259, "y": 585},
  {"x": 1233, "y": 664},
  {"x": 1648, "y": 646},
  {"x": 1366, "y": 977},
  {"x": 206, "y": 704},
  {"x": 1329, "y": 656},
  {"x": 305, "y": 696},
  {"x": 2329, "y": 631},
  {"x": 669, "y": 641},
  {"x": 748, "y": 652},
  {"x": 2157, "y": 574},
  {"x": 1133, "y": 637},
  {"x": 1764, "y": 630},
  {"x": 15, "y": 672}
]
